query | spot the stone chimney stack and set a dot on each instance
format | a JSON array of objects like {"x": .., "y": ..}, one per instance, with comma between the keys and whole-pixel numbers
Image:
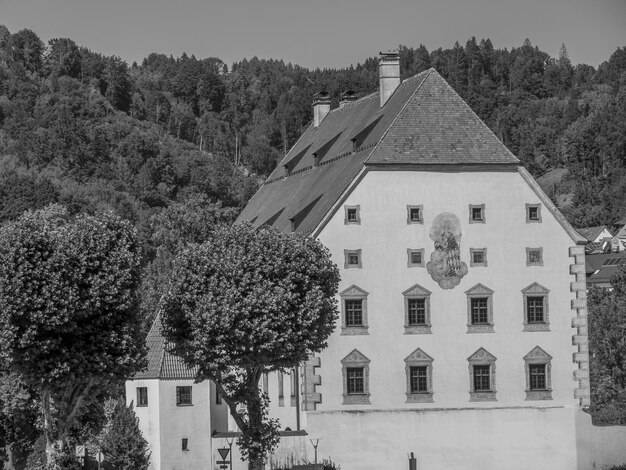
[
  {"x": 347, "y": 97},
  {"x": 321, "y": 107},
  {"x": 388, "y": 74}
]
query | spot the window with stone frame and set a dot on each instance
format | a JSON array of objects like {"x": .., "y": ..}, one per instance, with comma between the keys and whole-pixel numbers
[
  {"x": 415, "y": 257},
  {"x": 536, "y": 312},
  {"x": 478, "y": 256},
  {"x": 352, "y": 259},
  {"x": 476, "y": 213},
  {"x": 417, "y": 310},
  {"x": 419, "y": 377},
  {"x": 183, "y": 396},
  {"x": 533, "y": 213},
  {"x": 482, "y": 374},
  {"x": 479, "y": 309},
  {"x": 414, "y": 214},
  {"x": 355, "y": 369},
  {"x": 538, "y": 369},
  {"x": 534, "y": 256},
  {"x": 354, "y": 311},
  {"x": 352, "y": 215}
]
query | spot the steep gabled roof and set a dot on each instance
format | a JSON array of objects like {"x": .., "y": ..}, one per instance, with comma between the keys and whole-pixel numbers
[
  {"x": 161, "y": 364},
  {"x": 423, "y": 124},
  {"x": 437, "y": 127}
]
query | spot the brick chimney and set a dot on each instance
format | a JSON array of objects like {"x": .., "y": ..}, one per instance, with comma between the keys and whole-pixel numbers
[
  {"x": 388, "y": 74},
  {"x": 347, "y": 97},
  {"x": 321, "y": 107}
]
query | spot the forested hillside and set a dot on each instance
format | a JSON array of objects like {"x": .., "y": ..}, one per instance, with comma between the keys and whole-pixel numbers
[{"x": 91, "y": 132}]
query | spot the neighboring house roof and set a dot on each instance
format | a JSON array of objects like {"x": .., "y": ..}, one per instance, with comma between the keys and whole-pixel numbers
[
  {"x": 424, "y": 123},
  {"x": 600, "y": 267},
  {"x": 162, "y": 364},
  {"x": 591, "y": 233}
]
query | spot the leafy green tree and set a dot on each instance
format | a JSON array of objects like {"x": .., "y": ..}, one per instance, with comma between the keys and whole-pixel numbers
[
  {"x": 121, "y": 441},
  {"x": 189, "y": 221},
  {"x": 63, "y": 57},
  {"x": 244, "y": 303},
  {"x": 18, "y": 419},
  {"x": 607, "y": 351},
  {"x": 69, "y": 318},
  {"x": 26, "y": 48}
]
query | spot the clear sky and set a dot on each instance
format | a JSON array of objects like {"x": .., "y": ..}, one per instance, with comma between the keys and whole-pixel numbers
[{"x": 320, "y": 33}]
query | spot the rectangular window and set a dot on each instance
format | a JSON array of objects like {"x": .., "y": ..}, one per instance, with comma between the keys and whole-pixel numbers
[
  {"x": 415, "y": 214},
  {"x": 478, "y": 256},
  {"x": 352, "y": 215},
  {"x": 142, "y": 396},
  {"x": 480, "y": 311},
  {"x": 537, "y": 376},
  {"x": 417, "y": 311},
  {"x": 354, "y": 312},
  {"x": 352, "y": 259},
  {"x": 534, "y": 306},
  {"x": 534, "y": 256},
  {"x": 185, "y": 444},
  {"x": 482, "y": 378},
  {"x": 419, "y": 379},
  {"x": 183, "y": 396},
  {"x": 415, "y": 257},
  {"x": 477, "y": 214},
  {"x": 533, "y": 213},
  {"x": 355, "y": 378}
]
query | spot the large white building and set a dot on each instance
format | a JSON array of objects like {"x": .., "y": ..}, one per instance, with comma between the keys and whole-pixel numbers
[{"x": 463, "y": 329}]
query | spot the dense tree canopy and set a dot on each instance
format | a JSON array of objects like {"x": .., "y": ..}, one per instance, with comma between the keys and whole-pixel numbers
[
  {"x": 247, "y": 302},
  {"x": 69, "y": 319},
  {"x": 607, "y": 351}
]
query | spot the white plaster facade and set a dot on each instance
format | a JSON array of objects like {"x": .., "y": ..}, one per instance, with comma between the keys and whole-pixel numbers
[
  {"x": 164, "y": 424},
  {"x": 452, "y": 431}
]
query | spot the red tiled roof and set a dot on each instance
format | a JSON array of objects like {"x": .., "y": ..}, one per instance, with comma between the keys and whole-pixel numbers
[{"x": 162, "y": 364}]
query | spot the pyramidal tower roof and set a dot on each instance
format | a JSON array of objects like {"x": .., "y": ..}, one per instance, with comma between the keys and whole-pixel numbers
[
  {"x": 162, "y": 364},
  {"x": 424, "y": 124}
]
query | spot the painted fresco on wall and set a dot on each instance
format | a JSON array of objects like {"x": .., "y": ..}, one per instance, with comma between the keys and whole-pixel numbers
[{"x": 445, "y": 265}]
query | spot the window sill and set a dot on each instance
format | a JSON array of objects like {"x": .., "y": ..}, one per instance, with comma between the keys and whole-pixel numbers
[
  {"x": 419, "y": 397},
  {"x": 532, "y": 395},
  {"x": 356, "y": 399},
  {"x": 536, "y": 327},
  {"x": 184, "y": 404},
  {"x": 143, "y": 406},
  {"x": 352, "y": 266},
  {"x": 417, "y": 330},
  {"x": 480, "y": 329},
  {"x": 354, "y": 330},
  {"x": 482, "y": 396}
]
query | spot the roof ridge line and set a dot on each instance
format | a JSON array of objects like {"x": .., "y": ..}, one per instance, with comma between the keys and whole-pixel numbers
[
  {"x": 355, "y": 102},
  {"x": 382, "y": 137}
]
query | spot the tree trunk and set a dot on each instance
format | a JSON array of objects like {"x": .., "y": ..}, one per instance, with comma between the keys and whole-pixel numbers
[{"x": 48, "y": 430}]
